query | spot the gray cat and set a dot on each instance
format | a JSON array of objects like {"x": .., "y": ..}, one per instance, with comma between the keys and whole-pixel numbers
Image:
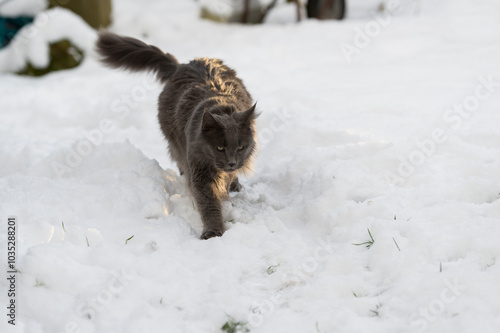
[{"x": 205, "y": 113}]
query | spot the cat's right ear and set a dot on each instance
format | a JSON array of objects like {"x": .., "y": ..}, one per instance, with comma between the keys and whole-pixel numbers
[
  {"x": 210, "y": 123},
  {"x": 246, "y": 117}
]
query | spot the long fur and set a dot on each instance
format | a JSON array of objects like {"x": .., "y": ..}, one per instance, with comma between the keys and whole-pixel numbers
[{"x": 134, "y": 55}]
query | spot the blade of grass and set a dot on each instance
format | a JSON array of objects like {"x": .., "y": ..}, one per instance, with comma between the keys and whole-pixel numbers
[
  {"x": 396, "y": 244},
  {"x": 367, "y": 243}
]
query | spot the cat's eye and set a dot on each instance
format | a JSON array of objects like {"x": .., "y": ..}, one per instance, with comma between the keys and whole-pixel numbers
[
  {"x": 220, "y": 148},
  {"x": 240, "y": 148}
]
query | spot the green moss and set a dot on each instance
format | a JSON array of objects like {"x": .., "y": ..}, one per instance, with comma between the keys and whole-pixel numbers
[
  {"x": 233, "y": 326},
  {"x": 63, "y": 55}
]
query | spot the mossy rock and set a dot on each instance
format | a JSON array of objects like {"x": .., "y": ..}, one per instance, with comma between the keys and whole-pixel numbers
[{"x": 63, "y": 55}]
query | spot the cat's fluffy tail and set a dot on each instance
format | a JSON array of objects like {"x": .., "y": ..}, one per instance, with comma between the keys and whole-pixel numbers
[{"x": 134, "y": 55}]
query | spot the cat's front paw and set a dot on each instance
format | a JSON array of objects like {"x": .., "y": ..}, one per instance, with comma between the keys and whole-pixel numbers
[
  {"x": 211, "y": 233},
  {"x": 235, "y": 186}
]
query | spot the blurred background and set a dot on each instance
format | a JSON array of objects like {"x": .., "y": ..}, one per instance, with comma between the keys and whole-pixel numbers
[{"x": 64, "y": 52}]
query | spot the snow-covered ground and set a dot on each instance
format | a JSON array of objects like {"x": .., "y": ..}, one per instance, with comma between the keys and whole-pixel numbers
[{"x": 380, "y": 130}]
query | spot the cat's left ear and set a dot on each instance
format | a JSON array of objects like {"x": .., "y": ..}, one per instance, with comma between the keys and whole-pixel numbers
[
  {"x": 210, "y": 123},
  {"x": 246, "y": 117}
]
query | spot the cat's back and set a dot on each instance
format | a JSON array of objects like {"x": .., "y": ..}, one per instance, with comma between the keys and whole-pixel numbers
[
  {"x": 212, "y": 69},
  {"x": 210, "y": 75}
]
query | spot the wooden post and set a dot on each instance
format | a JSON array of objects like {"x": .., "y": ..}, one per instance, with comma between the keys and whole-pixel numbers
[{"x": 97, "y": 13}]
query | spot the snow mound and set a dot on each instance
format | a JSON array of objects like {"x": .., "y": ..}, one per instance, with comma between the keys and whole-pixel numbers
[{"x": 31, "y": 43}]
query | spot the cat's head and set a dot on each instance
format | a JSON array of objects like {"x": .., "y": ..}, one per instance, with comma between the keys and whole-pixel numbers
[{"x": 229, "y": 138}]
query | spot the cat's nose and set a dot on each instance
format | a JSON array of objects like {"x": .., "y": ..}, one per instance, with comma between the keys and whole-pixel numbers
[{"x": 231, "y": 164}]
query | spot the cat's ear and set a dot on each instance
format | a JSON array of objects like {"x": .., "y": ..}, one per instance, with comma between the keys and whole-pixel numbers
[
  {"x": 246, "y": 117},
  {"x": 210, "y": 123}
]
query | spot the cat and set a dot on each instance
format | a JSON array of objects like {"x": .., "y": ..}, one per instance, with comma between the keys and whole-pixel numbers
[{"x": 205, "y": 113}]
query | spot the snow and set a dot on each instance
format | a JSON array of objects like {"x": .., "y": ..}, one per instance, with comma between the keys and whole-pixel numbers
[
  {"x": 384, "y": 122},
  {"x": 228, "y": 7},
  {"x": 13, "y": 8}
]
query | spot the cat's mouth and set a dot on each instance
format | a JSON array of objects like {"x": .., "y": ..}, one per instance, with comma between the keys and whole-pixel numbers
[{"x": 228, "y": 168}]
